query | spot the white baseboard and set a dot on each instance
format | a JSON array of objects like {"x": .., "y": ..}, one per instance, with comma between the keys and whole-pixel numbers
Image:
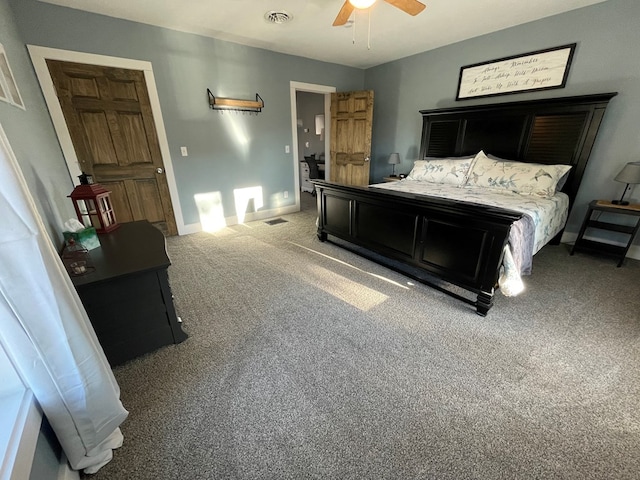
[
  {"x": 66, "y": 472},
  {"x": 249, "y": 217},
  {"x": 21, "y": 419}
]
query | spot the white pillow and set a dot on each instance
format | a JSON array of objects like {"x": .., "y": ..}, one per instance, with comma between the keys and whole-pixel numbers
[
  {"x": 561, "y": 182},
  {"x": 524, "y": 178},
  {"x": 450, "y": 171}
]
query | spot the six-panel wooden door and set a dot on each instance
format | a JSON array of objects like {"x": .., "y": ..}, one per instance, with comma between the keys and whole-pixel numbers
[
  {"x": 351, "y": 122},
  {"x": 108, "y": 114}
]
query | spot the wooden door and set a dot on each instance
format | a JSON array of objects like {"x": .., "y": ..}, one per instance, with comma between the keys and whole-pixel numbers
[
  {"x": 351, "y": 121},
  {"x": 108, "y": 114}
]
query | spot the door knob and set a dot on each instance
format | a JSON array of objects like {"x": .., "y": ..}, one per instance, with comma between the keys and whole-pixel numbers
[
  {"x": 366, "y": 159},
  {"x": 159, "y": 170}
]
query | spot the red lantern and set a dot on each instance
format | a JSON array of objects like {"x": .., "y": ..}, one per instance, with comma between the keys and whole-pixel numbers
[{"x": 93, "y": 205}]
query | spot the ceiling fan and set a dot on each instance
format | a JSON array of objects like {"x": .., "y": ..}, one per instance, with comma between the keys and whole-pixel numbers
[{"x": 412, "y": 7}]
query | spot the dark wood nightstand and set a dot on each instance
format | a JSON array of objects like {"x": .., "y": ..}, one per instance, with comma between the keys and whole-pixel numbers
[{"x": 602, "y": 247}]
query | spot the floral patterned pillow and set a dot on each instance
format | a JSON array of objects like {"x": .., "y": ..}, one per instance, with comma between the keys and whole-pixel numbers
[
  {"x": 451, "y": 171},
  {"x": 524, "y": 178}
]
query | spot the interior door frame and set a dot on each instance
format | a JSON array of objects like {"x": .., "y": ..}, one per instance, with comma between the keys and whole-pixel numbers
[
  {"x": 326, "y": 90},
  {"x": 39, "y": 56}
]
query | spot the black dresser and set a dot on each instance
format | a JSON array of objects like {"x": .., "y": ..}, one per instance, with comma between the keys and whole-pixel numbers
[{"x": 128, "y": 297}]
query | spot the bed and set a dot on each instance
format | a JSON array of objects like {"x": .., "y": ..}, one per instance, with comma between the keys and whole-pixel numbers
[{"x": 461, "y": 244}]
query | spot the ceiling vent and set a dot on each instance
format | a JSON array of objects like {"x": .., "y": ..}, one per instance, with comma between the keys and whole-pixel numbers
[{"x": 277, "y": 17}]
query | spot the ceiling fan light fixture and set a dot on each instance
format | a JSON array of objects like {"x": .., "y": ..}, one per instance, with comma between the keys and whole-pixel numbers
[{"x": 362, "y": 4}]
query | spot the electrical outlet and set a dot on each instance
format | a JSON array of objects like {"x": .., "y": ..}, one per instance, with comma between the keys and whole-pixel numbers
[
  {"x": 287, "y": 149},
  {"x": 306, "y": 144},
  {"x": 183, "y": 151},
  {"x": 286, "y": 194}
]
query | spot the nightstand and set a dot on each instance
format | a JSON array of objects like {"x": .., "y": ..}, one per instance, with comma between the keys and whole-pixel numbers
[{"x": 599, "y": 206}]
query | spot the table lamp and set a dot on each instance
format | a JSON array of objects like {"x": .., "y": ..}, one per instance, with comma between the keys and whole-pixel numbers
[
  {"x": 394, "y": 159},
  {"x": 630, "y": 174}
]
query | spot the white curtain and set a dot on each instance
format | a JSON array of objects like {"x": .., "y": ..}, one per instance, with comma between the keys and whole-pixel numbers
[{"x": 46, "y": 331}]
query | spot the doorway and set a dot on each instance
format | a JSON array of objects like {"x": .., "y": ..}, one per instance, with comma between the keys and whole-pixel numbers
[
  {"x": 311, "y": 133},
  {"x": 300, "y": 137}
]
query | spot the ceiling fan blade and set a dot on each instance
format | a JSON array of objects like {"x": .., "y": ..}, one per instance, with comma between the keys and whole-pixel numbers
[
  {"x": 344, "y": 14},
  {"x": 412, "y": 7}
]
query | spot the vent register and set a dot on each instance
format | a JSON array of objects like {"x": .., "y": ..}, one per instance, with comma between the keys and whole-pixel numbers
[{"x": 277, "y": 17}]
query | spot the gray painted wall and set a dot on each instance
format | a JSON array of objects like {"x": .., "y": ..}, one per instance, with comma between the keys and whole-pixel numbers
[
  {"x": 185, "y": 66},
  {"x": 605, "y": 60},
  {"x": 31, "y": 134}
]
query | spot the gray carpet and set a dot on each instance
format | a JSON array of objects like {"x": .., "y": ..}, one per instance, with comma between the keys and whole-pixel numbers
[{"x": 306, "y": 361}]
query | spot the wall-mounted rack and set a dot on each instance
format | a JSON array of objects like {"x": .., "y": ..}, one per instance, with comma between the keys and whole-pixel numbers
[{"x": 218, "y": 103}]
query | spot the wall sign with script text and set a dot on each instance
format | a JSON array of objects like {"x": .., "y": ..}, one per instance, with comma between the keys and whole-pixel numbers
[{"x": 540, "y": 70}]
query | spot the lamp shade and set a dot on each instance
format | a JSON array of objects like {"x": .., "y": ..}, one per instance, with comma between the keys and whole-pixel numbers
[
  {"x": 630, "y": 173},
  {"x": 394, "y": 159}
]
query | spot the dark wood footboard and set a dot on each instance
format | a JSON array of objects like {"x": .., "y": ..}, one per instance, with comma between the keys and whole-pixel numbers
[{"x": 460, "y": 243}]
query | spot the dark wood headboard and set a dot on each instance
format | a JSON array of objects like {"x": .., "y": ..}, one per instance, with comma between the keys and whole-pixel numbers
[{"x": 548, "y": 131}]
